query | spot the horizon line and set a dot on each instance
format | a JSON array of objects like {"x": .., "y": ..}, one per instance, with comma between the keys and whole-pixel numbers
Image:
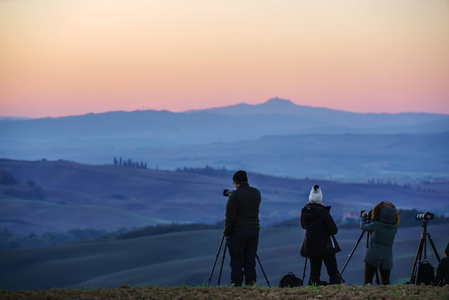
[{"x": 18, "y": 117}]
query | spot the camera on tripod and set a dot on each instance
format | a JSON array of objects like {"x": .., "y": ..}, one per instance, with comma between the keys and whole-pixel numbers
[
  {"x": 425, "y": 216},
  {"x": 420, "y": 259},
  {"x": 227, "y": 192},
  {"x": 366, "y": 213}
]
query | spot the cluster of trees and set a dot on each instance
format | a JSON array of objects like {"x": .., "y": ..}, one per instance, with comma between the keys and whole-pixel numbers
[
  {"x": 30, "y": 192},
  {"x": 405, "y": 185},
  {"x": 7, "y": 178},
  {"x": 206, "y": 169},
  {"x": 166, "y": 228},
  {"x": 10, "y": 241},
  {"x": 407, "y": 220},
  {"x": 130, "y": 163}
]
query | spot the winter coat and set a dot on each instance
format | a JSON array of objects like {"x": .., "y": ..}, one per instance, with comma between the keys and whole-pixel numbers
[
  {"x": 383, "y": 228},
  {"x": 442, "y": 276},
  {"x": 320, "y": 228},
  {"x": 242, "y": 209}
]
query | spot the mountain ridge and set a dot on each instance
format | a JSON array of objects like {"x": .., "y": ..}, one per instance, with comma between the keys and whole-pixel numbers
[
  {"x": 140, "y": 135},
  {"x": 276, "y": 116},
  {"x": 280, "y": 106}
]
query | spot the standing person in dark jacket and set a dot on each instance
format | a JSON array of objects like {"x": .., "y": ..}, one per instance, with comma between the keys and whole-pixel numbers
[
  {"x": 383, "y": 228},
  {"x": 319, "y": 243},
  {"x": 242, "y": 229},
  {"x": 442, "y": 276}
]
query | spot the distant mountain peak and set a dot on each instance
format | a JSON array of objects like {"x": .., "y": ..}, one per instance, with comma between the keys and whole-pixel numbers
[
  {"x": 280, "y": 102},
  {"x": 274, "y": 105}
]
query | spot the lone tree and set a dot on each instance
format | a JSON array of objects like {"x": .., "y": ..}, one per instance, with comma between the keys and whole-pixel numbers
[{"x": 6, "y": 178}]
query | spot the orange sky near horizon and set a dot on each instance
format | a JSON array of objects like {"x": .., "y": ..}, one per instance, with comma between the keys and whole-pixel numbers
[{"x": 71, "y": 57}]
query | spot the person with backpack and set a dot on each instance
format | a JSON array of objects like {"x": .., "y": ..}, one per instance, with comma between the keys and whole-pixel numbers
[
  {"x": 383, "y": 226},
  {"x": 242, "y": 229},
  {"x": 319, "y": 244},
  {"x": 442, "y": 276}
]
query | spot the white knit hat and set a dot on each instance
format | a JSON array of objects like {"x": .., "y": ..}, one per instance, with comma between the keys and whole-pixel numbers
[{"x": 315, "y": 195}]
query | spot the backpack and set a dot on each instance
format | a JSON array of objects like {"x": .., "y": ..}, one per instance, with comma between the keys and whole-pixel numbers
[
  {"x": 290, "y": 280},
  {"x": 426, "y": 273}
]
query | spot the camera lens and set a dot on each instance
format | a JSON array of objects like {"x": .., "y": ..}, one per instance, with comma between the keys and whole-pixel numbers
[{"x": 424, "y": 217}]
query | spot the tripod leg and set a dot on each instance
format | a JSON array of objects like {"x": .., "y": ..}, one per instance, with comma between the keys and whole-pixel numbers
[
  {"x": 263, "y": 270},
  {"x": 304, "y": 271},
  {"x": 433, "y": 247},
  {"x": 417, "y": 257},
  {"x": 352, "y": 252},
  {"x": 216, "y": 258},
  {"x": 424, "y": 246},
  {"x": 222, "y": 261}
]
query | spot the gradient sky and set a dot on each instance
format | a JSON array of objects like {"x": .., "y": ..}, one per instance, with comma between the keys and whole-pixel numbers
[{"x": 71, "y": 57}]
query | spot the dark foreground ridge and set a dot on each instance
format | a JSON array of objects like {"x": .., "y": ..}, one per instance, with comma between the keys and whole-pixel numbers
[{"x": 343, "y": 291}]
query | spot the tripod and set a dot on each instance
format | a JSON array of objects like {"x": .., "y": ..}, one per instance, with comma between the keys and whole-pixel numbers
[
  {"x": 304, "y": 272},
  {"x": 422, "y": 248},
  {"x": 352, "y": 252},
  {"x": 222, "y": 262}
]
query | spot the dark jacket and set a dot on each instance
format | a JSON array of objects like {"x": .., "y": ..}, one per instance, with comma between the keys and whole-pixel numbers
[
  {"x": 442, "y": 276},
  {"x": 242, "y": 210},
  {"x": 320, "y": 228},
  {"x": 383, "y": 229}
]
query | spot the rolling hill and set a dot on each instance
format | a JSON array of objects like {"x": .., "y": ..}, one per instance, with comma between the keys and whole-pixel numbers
[
  {"x": 63, "y": 195},
  {"x": 57, "y": 174},
  {"x": 187, "y": 258}
]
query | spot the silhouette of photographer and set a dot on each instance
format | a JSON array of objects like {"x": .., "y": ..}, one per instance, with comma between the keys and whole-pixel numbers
[
  {"x": 383, "y": 228},
  {"x": 442, "y": 275},
  {"x": 242, "y": 229},
  {"x": 319, "y": 243}
]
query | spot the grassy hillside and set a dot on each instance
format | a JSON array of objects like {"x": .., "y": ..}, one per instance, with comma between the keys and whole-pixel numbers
[
  {"x": 187, "y": 258},
  {"x": 109, "y": 197}
]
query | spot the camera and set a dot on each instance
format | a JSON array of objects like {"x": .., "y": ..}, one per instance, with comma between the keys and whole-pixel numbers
[
  {"x": 424, "y": 217},
  {"x": 368, "y": 214},
  {"x": 227, "y": 192}
]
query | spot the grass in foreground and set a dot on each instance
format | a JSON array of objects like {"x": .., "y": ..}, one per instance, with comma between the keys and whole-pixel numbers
[{"x": 343, "y": 291}]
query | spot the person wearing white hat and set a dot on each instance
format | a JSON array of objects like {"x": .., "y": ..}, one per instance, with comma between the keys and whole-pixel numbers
[{"x": 320, "y": 244}]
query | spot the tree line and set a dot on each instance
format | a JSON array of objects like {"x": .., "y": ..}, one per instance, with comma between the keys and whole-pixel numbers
[
  {"x": 407, "y": 219},
  {"x": 405, "y": 185},
  {"x": 130, "y": 163},
  {"x": 10, "y": 241}
]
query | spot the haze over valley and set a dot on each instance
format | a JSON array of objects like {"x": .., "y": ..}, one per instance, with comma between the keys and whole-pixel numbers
[
  {"x": 124, "y": 171},
  {"x": 276, "y": 137}
]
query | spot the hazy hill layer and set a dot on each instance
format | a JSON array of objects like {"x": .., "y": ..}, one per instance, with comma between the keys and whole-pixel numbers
[
  {"x": 329, "y": 156},
  {"x": 276, "y": 137},
  {"x": 187, "y": 258},
  {"x": 232, "y": 123},
  {"x": 62, "y": 195}
]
